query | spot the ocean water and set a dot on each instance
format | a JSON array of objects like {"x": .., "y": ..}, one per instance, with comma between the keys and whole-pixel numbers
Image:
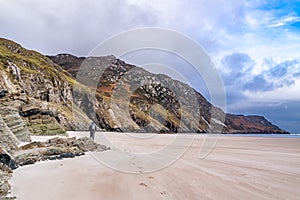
[{"x": 265, "y": 135}]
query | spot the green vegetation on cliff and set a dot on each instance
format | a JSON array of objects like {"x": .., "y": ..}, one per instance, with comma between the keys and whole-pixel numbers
[{"x": 40, "y": 89}]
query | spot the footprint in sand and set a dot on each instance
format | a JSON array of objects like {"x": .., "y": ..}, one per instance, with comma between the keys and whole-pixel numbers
[
  {"x": 151, "y": 177},
  {"x": 143, "y": 184}
]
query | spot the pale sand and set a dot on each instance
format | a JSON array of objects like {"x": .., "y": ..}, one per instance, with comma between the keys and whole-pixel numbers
[{"x": 237, "y": 168}]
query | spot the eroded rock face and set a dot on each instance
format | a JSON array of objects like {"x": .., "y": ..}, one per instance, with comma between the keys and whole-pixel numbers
[
  {"x": 15, "y": 123},
  {"x": 25, "y": 116},
  {"x": 39, "y": 90},
  {"x": 8, "y": 140}
]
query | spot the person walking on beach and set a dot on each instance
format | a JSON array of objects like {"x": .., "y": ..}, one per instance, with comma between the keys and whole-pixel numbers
[{"x": 92, "y": 129}]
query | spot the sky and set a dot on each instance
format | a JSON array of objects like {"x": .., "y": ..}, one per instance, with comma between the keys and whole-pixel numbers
[{"x": 254, "y": 44}]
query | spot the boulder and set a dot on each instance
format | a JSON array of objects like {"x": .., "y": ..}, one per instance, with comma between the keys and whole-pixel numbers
[
  {"x": 3, "y": 93},
  {"x": 6, "y": 159},
  {"x": 33, "y": 145}
]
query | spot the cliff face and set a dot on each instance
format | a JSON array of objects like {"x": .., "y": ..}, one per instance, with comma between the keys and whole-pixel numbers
[
  {"x": 132, "y": 99},
  {"x": 35, "y": 94}
]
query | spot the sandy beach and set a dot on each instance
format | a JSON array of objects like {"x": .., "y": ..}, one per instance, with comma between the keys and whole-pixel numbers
[{"x": 236, "y": 168}]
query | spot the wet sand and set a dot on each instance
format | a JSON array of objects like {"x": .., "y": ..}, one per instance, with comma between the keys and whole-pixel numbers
[{"x": 236, "y": 168}]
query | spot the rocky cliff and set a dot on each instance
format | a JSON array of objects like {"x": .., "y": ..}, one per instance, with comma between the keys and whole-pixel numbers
[
  {"x": 36, "y": 94},
  {"x": 132, "y": 99}
]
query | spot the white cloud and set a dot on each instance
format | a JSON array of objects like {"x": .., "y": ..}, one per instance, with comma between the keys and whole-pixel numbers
[
  {"x": 79, "y": 25},
  {"x": 284, "y": 21}
]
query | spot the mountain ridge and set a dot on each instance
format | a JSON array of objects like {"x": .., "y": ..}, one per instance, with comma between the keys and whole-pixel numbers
[{"x": 233, "y": 123}]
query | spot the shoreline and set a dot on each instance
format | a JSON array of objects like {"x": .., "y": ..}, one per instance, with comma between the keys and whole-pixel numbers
[
  {"x": 237, "y": 167},
  {"x": 74, "y": 133}
]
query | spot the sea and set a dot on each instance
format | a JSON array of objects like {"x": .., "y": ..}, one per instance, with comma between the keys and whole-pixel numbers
[{"x": 265, "y": 135}]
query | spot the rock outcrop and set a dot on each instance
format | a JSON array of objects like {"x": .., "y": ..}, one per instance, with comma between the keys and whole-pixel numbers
[{"x": 56, "y": 148}]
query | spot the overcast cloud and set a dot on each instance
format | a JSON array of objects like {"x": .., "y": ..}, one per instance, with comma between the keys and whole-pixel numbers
[{"x": 254, "y": 44}]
